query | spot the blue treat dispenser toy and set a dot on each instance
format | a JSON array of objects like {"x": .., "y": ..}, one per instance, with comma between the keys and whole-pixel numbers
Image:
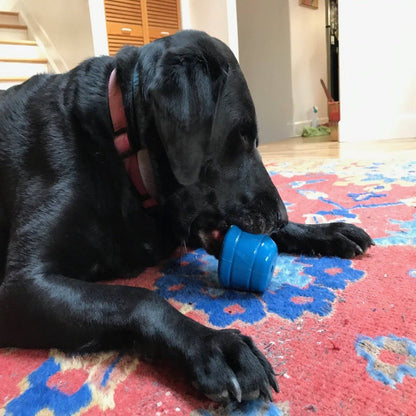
[{"x": 247, "y": 261}]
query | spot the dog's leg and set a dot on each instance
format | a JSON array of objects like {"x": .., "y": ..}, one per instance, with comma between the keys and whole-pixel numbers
[
  {"x": 333, "y": 239},
  {"x": 40, "y": 310},
  {"x": 4, "y": 241},
  {"x": 3, "y": 252}
]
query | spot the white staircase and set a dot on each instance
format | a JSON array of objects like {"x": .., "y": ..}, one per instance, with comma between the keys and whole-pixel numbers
[{"x": 20, "y": 57}]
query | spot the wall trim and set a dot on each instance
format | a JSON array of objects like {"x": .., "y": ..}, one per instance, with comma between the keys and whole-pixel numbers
[
  {"x": 298, "y": 126},
  {"x": 185, "y": 14},
  {"x": 98, "y": 27},
  {"x": 232, "y": 27}
]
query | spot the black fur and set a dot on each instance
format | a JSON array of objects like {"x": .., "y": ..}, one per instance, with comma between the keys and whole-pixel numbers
[{"x": 70, "y": 217}]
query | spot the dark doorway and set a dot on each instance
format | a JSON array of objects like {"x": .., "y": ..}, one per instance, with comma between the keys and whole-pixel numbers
[{"x": 333, "y": 49}]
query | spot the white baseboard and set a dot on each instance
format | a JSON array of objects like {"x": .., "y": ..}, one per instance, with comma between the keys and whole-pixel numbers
[
  {"x": 298, "y": 126},
  {"x": 22, "y": 69}
]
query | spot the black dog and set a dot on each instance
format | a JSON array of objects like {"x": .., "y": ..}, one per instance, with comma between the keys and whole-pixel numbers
[{"x": 70, "y": 215}]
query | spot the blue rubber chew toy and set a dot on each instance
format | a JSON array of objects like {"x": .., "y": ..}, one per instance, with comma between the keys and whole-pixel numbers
[{"x": 247, "y": 261}]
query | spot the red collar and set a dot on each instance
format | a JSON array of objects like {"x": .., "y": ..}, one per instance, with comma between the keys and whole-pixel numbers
[{"x": 138, "y": 165}]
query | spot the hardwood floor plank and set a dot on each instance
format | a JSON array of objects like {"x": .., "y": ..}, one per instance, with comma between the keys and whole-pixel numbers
[{"x": 323, "y": 147}]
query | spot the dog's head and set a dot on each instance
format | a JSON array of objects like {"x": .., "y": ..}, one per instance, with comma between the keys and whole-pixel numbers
[{"x": 195, "y": 113}]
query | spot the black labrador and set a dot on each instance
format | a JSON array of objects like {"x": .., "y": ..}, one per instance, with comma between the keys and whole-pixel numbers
[{"x": 179, "y": 112}]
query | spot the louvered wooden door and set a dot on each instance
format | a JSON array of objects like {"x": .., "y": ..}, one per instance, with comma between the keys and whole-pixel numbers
[
  {"x": 136, "y": 22},
  {"x": 124, "y": 22},
  {"x": 163, "y": 17}
]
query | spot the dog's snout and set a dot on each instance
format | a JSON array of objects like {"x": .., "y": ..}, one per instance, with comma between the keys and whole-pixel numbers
[{"x": 257, "y": 213}]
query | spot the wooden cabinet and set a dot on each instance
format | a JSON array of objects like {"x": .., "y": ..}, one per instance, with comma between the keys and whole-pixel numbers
[
  {"x": 163, "y": 18},
  {"x": 137, "y": 22}
]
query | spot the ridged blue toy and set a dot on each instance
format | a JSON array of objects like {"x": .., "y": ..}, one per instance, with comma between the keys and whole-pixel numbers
[{"x": 247, "y": 261}]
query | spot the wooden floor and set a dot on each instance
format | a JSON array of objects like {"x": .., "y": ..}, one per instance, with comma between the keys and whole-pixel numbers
[{"x": 327, "y": 147}]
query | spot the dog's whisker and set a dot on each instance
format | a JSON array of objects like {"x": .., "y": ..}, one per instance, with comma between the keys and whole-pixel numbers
[{"x": 183, "y": 248}]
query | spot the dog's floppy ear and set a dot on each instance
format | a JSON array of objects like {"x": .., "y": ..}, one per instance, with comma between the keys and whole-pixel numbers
[
  {"x": 183, "y": 105},
  {"x": 234, "y": 109}
]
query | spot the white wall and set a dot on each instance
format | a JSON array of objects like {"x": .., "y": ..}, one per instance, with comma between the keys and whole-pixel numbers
[
  {"x": 308, "y": 63},
  {"x": 216, "y": 17},
  {"x": 7, "y": 5},
  {"x": 264, "y": 47},
  {"x": 377, "y": 69},
  {"x": 282, "y": 50}
]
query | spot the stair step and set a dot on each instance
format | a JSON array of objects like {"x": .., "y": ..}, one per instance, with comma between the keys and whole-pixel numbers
[
  {"x": 9, "y": 17},
  {"x": 20, "y": 57},
  {"x": 6, "y": 83},
  {"x": 14, "y": 50},
  {"x": 13, "y": 32},
  {"x": 17, "y": 26},
  {"x": 18, "y": 42},
  {"x": 13, "y": 79},
  {"x": 11, "y": 82},
  {"x": 22, "y": 69},
  {"x": 25, "y": 60}
]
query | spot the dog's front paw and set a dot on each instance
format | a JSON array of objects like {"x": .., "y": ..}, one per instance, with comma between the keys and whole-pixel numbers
[
  {"x": 332, "y": 239},
  {"x": 348, "y": 240},
  {"x": 226, "y": 366}
]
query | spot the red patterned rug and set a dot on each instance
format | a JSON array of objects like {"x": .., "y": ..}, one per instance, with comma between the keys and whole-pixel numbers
[{"x": 340, "y": 334}]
